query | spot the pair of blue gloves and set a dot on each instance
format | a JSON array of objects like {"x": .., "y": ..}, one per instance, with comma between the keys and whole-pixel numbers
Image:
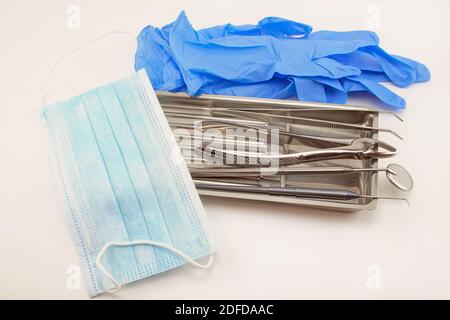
[{"x": 277, "y": 58}]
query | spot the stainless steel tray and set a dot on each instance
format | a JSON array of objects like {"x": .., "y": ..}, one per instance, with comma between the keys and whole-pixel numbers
[{"x": 361, "y": 182}]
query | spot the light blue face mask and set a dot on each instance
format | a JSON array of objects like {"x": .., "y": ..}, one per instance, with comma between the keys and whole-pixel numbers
[{"x": 132, "y": 205}]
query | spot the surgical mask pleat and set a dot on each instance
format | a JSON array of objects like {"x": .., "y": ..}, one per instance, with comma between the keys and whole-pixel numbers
[
  {"x": 121, "y": 182},
  {"x": 177, "y": 222},
  {"x": 168, "y": 195},
  {"x": 152, "y": 158},
  {"x": 151, "y": 210},
  {"x": 96, "y": 182}
]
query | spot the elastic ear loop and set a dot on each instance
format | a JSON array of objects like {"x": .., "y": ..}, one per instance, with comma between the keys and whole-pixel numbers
[
  {"x": 105, "y": 248},
  {"x": 117, "y": 286},
  {"x": 68, "y": 54}
]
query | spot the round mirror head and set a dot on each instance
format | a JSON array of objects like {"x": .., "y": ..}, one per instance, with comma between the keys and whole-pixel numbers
[{"x": 399, "y": 177}]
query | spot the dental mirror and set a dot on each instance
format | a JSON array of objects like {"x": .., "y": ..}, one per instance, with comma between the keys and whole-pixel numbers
[
  {"x": 399, "y": 177},
  {"x": 395, "y": 173}
]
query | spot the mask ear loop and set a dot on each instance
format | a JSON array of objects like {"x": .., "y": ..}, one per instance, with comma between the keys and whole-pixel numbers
[
  {"x": 71, "y": 52},
  {"x": 117, "y": 286}
]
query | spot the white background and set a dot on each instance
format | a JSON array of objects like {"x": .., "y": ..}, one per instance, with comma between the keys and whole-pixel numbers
[{"x": 265, "y": 250}]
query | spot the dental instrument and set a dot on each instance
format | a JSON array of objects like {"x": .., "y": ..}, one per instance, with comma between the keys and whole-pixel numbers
[
  {"x": 395, "y": 173},
  {"x": 313, "y": 193}
]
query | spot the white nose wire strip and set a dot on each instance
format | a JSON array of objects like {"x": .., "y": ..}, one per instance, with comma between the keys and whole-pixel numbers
[
  {"x": 68, "y": 54},
  {"x": 101, "y": 267}
]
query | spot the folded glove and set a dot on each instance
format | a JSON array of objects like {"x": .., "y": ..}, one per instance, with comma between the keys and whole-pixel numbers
[{"x": 277, "y": 58}]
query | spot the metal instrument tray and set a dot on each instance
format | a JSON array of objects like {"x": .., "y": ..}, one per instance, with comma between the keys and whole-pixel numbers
[{"x": 361, "y": 182}]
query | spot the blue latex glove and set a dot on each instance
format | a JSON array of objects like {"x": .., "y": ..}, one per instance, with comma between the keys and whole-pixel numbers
[
  {"x": 277, "y": 58},
  {"x": 272, "y": 26}
]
